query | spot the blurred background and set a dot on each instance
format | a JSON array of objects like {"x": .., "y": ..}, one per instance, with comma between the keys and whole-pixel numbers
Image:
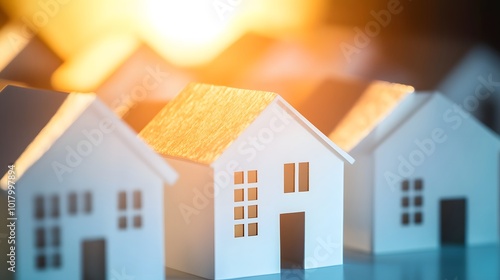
[{"x": 137, "y": 55}]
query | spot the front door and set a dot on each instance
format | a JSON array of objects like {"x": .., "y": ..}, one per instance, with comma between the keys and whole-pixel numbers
[
  {"x": 94, "y": 259},
  {"x": 292, "y": 232},
  {"x": 453, "y": 223}
]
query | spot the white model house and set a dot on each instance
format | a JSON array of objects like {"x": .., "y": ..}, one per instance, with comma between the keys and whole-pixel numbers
[
  {"x": 259, "y": 187},
  {"x": 426, "y": 174},
  {"x": 89, "y": 193}
]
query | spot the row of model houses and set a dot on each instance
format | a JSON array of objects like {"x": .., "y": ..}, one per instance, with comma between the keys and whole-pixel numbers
[{"x": 235, "y": 183}]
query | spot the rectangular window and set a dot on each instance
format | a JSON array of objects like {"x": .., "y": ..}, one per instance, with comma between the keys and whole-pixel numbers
[
  {"x": 41, "y": 262},
  {"x": 56, "y": 236},
  {"x": 405, "y": 202},
  {"x": 137, "y": 221},
  {"x": 405, "y": 219},
  {"x": 252, "y": 229},
  {"x": 122, "y": 201},
  {"x": 122, "y": 222},
  {"x": 239, "y": 213},
  {"x": 252, "y": 211},
  {"x": 238, "y": 178},
  {"x": 72, "y": 203},
  {"x": 419, "y": 185},
  {"x": 418, "y": 218},
  {"x": 40, "y": 237},
  {"x": 54, "y": 212},
  {"x": 137, "y": 200},
  {"x": 39, "y": 208},
  {"x": 289, "y": 178},
  {"x": 239, "y": 195},
  {"x": 239, "y": 230},
  {"x": 405, "y": 185},
  {"x": 87, "y": 196},
  {"x": 418, "y": 201},
  {"x": 304, "y": 177},
  {"x": 252, "y": 176},
  {"x": 252, "y": 194}
]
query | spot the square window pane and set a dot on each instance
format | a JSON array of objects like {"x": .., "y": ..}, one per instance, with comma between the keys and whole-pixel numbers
[
  {"x": 54, "y": 204},
  {"x": 304, "y": 177},
  {"x": 405, "y": 201},
  {"x": 252, "y": 176},
  {"x": 239, "y": 213},
  {"x": 41, "y": 262},
  {"x": 122, "y": 200},
  {"x": 238, "y": 177},
  {"x": 419, "y": 184},
  {"x": 418, "y": 201},
  {"x": 72, "y": 203},
  {"x": 252, "y": 211},
  {"x": 418, "y": 218},
  {"x": 122, "y": 222},
  {"x": 253, "y": 229},
  {"x": 39, "y": 208},
  {"x": 405, "y": 185},
  {"x": 252, "y": 194},
  {"x": 40, "y": 237},
  {"x": 137, "y": 221},
  {"x": 239, "y": 195},
  {"x": 405, "y": 219},
  {"x": 137, "y": 200},
  {"x": 289, "y": 178},
  {"x": 239, "y": 230}
]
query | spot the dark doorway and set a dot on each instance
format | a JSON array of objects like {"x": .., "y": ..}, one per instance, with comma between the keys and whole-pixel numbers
[
  {"x": 453, "y": 221},
  {"x": 292, "y": 232},
  {"x": 94, "y": 259}
]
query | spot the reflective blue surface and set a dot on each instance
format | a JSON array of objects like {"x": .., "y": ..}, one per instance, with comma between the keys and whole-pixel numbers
[{"x": 448, "y": 263}]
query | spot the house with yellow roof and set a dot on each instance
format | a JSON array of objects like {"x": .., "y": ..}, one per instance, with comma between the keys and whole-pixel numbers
[
  {"x": 260, "y": 188},
  {"x": 84, "y": 192}
]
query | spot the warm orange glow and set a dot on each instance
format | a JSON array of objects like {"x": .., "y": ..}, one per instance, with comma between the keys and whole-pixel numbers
[
  {"x": 13, "y": 38},
  {"x": 190, "y": 32},
  {"x": 375, "y": 104},
  {"x": 86, "y": 71}
]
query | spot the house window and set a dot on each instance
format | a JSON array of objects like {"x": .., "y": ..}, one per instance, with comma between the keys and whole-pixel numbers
[
  {"x": 245, "y": 182},
  {"x": 239, "y": 213},
  {"x": 239, "y": 230},
  {"x": 412, "y": 202},
  {"x": 39, "y": 208},
  {"x": 72, "y": 203},
  {"x": 55, "y": 204},
  {"x": 87, "y": 197},
  {"x": 134, "y": 212},
  {"x": 48, "y": 239},
  {"x": 122, "y": 201},
  {"x": 41, "y": 262},
  {"x": 137, "y": 200},
  {"x": 290, "y": 177}
]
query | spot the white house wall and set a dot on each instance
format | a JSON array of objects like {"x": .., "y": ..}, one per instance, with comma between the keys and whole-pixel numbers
[
  {"x": 189, "y": 219},
  {"x": 281, "y": 140},
  {"x": 108, "y": 168},
  {"x": 358, "y": 202},
  {"x": 465, "y": 164}
]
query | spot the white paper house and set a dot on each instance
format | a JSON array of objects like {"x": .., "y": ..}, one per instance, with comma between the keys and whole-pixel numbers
[
  {"x": 259, "y": 186},
  {"x": 89, "y": 194},
  {"x": 426, "y": 174}
]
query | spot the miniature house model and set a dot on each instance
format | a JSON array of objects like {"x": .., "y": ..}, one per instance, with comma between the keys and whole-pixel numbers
[
  {"x": 89, "y": 193},
  {"x": 259, "y": 187},
  {"x": 426, "y": 174}
]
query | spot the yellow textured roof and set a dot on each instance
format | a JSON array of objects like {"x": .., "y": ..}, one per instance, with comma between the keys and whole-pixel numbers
[
  {"x": 378, "y": 100},
  {"x": 203, "y": 120}
]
